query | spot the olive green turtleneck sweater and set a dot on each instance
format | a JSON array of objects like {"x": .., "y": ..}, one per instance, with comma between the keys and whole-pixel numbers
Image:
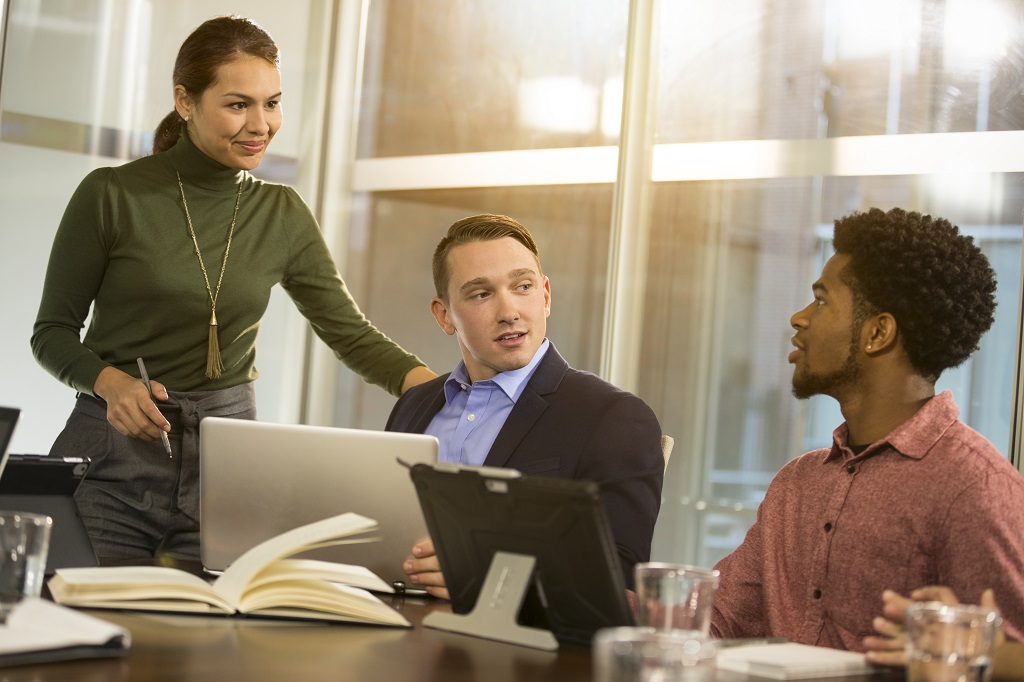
[{"x": 123, "y": 247}]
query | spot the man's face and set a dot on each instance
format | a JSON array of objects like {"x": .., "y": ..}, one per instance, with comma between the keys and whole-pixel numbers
[
  {"x": 826, "y": 356},
  {"x": 497, "y": 307}
]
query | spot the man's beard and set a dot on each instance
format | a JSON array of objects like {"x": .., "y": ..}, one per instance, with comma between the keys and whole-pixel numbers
[{"x": 807, "y": 385}]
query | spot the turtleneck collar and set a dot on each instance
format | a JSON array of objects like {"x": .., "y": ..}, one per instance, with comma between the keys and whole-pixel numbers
[{"x": 196, "y": 168}]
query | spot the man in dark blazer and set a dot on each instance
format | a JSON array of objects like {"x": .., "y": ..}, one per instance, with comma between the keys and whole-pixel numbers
[{"x": 514, "y": 402}]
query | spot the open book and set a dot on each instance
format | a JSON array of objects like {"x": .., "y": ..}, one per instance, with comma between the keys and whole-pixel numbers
[
  {"x": 263, "y": 581},
  {"x": 791, "y": 661}
]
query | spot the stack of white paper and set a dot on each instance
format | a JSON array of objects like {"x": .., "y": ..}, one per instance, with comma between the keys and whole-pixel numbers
[
  {"x": 790, "y": 661},
  {"x": 39, "y": 631}
]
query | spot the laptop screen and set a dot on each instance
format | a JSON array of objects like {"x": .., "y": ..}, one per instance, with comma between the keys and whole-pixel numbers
[{"x": 260, "y": 479}]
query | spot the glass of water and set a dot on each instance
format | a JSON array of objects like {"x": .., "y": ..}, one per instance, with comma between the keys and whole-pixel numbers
[
  {"x": 950, "y": 643},
  {"x": 24, "y": 543},
  {"x": 644, "y": 654}
]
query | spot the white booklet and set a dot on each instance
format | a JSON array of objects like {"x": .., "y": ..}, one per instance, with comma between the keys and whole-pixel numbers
[
  {"x": 791, "y": 661},
  {"x": 262, "y": 582},
  {"x": 38, "y": 631}
]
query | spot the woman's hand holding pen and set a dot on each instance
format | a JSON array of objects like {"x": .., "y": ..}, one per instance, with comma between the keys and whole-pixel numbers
[{"x": 130, "y": 408}]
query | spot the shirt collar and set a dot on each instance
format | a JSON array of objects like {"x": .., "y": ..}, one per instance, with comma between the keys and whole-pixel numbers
[
  {"x": 512, "y": 382},
  {"x": 913, "y": 438}
]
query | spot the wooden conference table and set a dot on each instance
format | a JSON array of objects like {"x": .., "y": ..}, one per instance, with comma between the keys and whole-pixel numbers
[
  {"x": 199, "y": 648},
  {"x": 186, "y": 648}
]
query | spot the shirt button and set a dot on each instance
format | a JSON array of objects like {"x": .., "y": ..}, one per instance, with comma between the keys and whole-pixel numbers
[
  {"x": 463, "y": 386},
  {"x": 828, "y": 527},
  {"x": 471, "y": 417},
  {"x": 816, "y": 594},
  {"x": 851, "y": 469}
]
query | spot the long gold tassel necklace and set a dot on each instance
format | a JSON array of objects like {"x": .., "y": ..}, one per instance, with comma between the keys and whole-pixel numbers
[{"x": 214, "y": 365}]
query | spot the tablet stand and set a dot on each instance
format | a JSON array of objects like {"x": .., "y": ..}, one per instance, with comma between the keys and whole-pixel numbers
[{"x": 494, "y": 614}]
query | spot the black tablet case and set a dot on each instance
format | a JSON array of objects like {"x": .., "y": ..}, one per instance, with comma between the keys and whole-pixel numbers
[
  {"x": 470, "y": 514},
  {"x": 47, "y": 485}
]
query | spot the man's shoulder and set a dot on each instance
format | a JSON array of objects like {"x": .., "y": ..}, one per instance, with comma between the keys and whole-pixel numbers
[
  {"x": 796, "y": 467},
  {"x": 425, "y": 392},
  {"x": 937, "y": 435},
  {"x": 413, "y": 402},
  {"x": 594, "y": 394},
  {"x": 969, "y": 450}
]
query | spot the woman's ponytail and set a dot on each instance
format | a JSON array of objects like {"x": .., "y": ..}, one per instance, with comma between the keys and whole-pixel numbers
[{"x": 167, "y": 133}]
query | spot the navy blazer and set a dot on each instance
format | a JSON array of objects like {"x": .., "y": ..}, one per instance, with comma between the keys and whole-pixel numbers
[{"x": 572, "y": 424}]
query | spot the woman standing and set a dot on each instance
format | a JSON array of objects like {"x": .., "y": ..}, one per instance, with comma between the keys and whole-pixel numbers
[{"x": 176, "y": 253}]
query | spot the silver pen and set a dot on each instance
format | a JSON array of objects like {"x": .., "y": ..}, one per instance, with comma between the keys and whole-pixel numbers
[{"x": 145, "y": 380}]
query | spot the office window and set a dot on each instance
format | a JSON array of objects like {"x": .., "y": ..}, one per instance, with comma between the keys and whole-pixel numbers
[
  {"x": 817, "y": 109},
  {"x": 393, "y": 239},
  {"x": 769, "y": 120},
  {"x": 453, "y": 76},
  {"x": 493, "y": 82}
]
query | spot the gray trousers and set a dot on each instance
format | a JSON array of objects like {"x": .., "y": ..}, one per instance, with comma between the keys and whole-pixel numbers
[{"x": 135, "y": 501}]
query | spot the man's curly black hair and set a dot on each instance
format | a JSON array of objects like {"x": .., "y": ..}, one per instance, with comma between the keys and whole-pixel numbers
[{"x": 933, "y": 280}]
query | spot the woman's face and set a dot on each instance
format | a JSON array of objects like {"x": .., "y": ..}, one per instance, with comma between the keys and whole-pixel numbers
[{"x": 237, "y": 116}]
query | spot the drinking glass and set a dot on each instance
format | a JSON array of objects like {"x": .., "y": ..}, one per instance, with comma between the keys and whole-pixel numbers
[
  {"x": 675, "y": 596},
  {"x": 641, "y": 654},
  {"x": 24, "y": 542},
  {"x": 950, "y": 643}
]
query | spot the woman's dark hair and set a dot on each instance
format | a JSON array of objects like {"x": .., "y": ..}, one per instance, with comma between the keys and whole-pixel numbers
[
  {"x": 934, "y": 281},
  {"x": 215, "y": 43}
]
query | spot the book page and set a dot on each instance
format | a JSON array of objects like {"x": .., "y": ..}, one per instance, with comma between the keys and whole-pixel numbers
[
  {"x": 124, "y": 584},
  {"x": 346, "y": 574},
  {"x": 232, "y": 584},
  {"x": 290, "y": 596}
]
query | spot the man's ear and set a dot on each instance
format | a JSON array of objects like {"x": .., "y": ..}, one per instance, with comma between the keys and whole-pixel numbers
[
  {"x": 880, "y": 331},
  {"x": 439, "y": 309}
]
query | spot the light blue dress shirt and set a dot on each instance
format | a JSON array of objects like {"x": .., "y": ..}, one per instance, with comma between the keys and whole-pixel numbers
[{"x": 473, "y": 414}]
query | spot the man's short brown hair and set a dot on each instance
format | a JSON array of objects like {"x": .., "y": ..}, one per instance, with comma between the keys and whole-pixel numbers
[{"x": 478, "y": 228}]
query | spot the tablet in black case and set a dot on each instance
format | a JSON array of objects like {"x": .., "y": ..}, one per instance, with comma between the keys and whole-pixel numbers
[{"x": 472, "y": 513}]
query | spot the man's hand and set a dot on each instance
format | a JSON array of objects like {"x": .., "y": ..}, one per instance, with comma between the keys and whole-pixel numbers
[
  {"x": 890, "y": 647},
  {"x": 130, "y": 409},
  {"x": 424, "y": 570}
]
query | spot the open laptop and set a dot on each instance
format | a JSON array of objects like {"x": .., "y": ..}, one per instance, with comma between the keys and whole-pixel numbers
[{"x": 260, "y": 479}]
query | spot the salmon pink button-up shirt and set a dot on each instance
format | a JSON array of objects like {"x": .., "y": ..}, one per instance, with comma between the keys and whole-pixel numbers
[{"x": 932, "y": 503}]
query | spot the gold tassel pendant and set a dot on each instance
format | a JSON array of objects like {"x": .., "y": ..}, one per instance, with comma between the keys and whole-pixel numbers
[{"x": 214, "y": 366}]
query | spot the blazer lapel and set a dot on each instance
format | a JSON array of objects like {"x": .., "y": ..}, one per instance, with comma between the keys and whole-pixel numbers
[
  {"x": 427, "y": 410},
  {"x": 418, "y": 407},
  {"x": 531, "y": 405}
]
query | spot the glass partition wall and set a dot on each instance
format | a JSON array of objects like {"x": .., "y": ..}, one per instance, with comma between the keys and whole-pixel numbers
[
  {"x": 757, "y": 124},
  {"x": 680, "y": 162}
]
